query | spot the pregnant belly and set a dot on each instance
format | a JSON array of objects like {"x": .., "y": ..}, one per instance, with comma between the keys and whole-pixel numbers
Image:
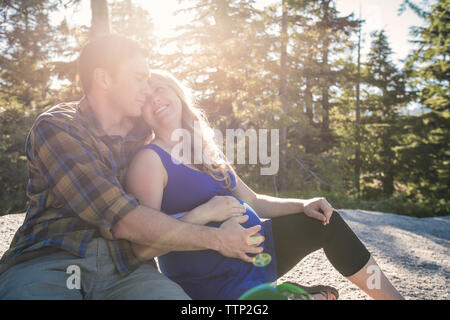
[
  {"x": 203, "y": 263},
  {"x": 253, "y": 218}
]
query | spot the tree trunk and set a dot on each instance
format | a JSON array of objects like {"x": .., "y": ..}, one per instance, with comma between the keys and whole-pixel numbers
[
  {"x": 325, "y": 133},
  {"x": 326, "y": 71},
  {"x": 283, "y": 94},
  {"x": 358, "y": 138},
  {"x": 389, "y": 173},
  {"x": 308, "y": 97},
  {"x": 100, "y": 18}
]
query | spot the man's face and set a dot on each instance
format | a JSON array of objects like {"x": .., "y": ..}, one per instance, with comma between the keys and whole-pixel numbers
[{"x": 129, "y": 87}]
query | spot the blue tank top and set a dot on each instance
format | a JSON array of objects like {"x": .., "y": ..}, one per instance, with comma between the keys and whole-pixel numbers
[{"x": 206, "y": 274}]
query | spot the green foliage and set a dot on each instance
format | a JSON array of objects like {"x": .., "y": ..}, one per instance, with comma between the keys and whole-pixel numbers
[
  {"x": 382, "y": 110},
  {"x": 15, "y": 122},
  {"x": 22, "y": 62},
  {"x": 399, "y": 203},
  {"x": 425, "y": 154},
  {"x": 247, "y": 73}
]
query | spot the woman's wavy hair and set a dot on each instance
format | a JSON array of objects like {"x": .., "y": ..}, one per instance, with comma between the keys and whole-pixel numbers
[{"x": 194, "y": 120}]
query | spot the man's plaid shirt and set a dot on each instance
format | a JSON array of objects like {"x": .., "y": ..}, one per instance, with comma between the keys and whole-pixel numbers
[{"x": 76, "y": 173}]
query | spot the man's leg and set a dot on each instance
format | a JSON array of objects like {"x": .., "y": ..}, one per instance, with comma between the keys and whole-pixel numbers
[
  {"x": 144, "y": 283},
  {"x": 41, "y": 277}
]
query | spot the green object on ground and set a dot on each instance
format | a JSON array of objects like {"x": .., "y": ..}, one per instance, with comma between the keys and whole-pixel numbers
[{"x": 270, "y": 291}]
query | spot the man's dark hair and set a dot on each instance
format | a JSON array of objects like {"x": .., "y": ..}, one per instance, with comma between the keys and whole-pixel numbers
[{"x": 106, "y": 52}]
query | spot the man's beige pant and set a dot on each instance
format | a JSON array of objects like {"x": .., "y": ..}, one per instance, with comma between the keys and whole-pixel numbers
[{"x": 61, "y": 275}]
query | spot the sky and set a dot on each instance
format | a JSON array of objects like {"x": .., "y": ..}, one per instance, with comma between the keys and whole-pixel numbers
[
  {"x": 383, "y": 14},
  {"x": 379, "y": 14}
]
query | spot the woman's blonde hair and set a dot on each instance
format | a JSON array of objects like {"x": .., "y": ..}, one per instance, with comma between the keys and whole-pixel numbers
[{"x": 196, "y": 123}]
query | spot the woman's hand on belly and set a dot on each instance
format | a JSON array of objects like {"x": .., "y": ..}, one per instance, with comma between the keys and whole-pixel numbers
[{"x": 217, "y": 209}]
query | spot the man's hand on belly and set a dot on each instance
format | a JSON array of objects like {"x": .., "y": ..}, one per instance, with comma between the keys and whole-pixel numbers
[{"x": 234, "y": 239}]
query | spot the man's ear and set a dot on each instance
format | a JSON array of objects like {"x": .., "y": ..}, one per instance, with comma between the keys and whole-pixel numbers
[{"x": 102, "y": 78}]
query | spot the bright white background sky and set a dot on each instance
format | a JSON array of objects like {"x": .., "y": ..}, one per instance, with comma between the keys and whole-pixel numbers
[{"x": 379, "y": 14}]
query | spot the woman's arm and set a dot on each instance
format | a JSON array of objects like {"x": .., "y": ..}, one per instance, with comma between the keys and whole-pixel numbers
[
  {"x": 146, "y": 179},
  {"x": 271, "y": 207}
]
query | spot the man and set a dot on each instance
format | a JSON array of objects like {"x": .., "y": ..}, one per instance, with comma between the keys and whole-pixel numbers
[{"x": 75, "y": 242}]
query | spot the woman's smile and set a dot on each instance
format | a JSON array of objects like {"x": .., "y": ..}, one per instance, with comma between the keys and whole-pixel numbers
[{"x": 160, "y": 109}]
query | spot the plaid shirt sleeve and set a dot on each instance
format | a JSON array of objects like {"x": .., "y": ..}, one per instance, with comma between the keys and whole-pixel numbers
[{"x": 76, "y": 174}]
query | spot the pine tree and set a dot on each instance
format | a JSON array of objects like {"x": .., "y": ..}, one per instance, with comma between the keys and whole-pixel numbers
[
  {"x": 386, "y": 95},
  {"x": 28, "y": 41},
  {"x": 316, "y": 36},
  {"x": 426, "y": 152},
  {"x": 333, "y": 34},
  {"x": 217, "y": 55}
]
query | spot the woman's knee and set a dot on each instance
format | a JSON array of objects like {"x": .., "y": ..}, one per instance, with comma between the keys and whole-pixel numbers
[
  {"x": 343, "y": 247},
  {"x": 336, "y": 221}
]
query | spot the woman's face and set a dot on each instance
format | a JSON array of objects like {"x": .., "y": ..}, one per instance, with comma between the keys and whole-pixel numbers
[{"x": 163, "y": 108}]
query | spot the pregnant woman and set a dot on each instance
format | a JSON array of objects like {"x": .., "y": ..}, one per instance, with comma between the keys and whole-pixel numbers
[{"x": 214, "y": 194}]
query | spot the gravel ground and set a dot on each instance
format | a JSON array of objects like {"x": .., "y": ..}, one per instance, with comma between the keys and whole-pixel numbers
[{"x": 414, "y": 253}]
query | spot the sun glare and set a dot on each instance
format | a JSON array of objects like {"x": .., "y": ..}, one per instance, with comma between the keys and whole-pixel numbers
[
  {"x": 162, "y": 14},
  {"x": 377, "y": 15}
]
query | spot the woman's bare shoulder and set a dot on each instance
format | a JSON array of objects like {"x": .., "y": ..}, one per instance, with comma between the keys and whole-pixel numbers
[{"x": 146, "y": 163}]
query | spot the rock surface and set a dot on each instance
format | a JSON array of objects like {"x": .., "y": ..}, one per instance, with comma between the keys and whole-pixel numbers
[{"x": 414, "y": 253}]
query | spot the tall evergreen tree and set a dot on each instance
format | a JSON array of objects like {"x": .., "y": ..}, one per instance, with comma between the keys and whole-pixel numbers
[
  {"x": 316, "y": 37},
  {"x": 217, "y": 55},
  {"x": 333, "y": 38},
  {"x": 28, "y": 42},
  {"x": 386, "y": 96},
  {"x": 426, "y": 154}
]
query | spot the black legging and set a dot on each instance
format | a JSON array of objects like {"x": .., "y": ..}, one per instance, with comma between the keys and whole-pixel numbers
[{"x": 297, "y": 235}]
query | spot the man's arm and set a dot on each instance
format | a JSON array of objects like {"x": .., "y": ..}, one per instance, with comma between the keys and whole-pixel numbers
[
  {"x": 161, "y": 233},
  {"x": 149, "y": 227}
]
